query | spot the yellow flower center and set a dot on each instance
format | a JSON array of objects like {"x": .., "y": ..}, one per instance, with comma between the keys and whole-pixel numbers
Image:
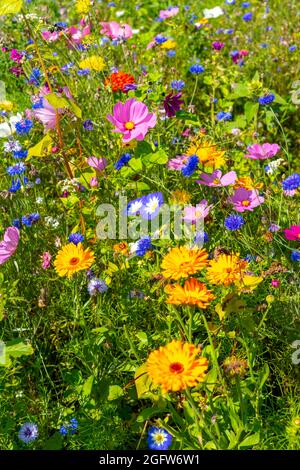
[
  {"x": 129, "y": 125},
  {"x": 74, "y": 261},
  {"x": 298, "y": 235},
  {"x": 216, "y": 181},
  {"x": 176, "y": 367},
  {"x": 246, "y": 203}
]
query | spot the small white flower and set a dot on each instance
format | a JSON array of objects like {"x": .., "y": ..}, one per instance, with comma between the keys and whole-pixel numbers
[
  {"x": 39, "y": 200},
  {"x": 213, "y": 12},
  {"x": 120, "y": 13}
]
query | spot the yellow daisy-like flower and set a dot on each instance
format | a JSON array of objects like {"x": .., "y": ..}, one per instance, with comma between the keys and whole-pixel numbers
[
  {"x": 176, "y": 367},
  {"x": 93, "y": 62},
  {"x": 246, "y": 182},
  {"x": 71, "y": 259},
  {"x": 6, "y": 105},
  {"x": 180, "y": 197},
  {"x": 192, "y": 293},
  {"x": 226, "y": 269},
  {"x": 207, "y": 152},
  {"x": 83, "y": 6},
  {"x": 169, "y": 44},
  {"x": 183, "y": 262}
]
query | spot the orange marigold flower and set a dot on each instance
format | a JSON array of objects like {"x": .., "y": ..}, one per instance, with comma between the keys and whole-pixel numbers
[
  {"x": 122, "y": 248},
  {"x": 175, "y": 367},
  {"x": 73, "y": 258},
  {"x": 183, "y": 262},
  {"x": 226, "y": 269},
  {"x": 192, "y": 293},
  {"x": 247, "y": 183},
  {"x": 207, "y": 152},
  {"x": 119, "y": 80}
]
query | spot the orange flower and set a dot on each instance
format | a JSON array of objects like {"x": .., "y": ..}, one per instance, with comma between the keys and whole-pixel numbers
[
  {"x": 174, "y": 367},
  {"x": 118, "y": 81},
  {"x": 247, "y": 183},
  {"x": 207, "y": 152},
  {"x": 183, "y": 262},
  {"x": 73, "y": 258},
  {"x": 192, "y": 293},
  {"x": 121, "y": 247},
  {"x": 226, "y": 269}
]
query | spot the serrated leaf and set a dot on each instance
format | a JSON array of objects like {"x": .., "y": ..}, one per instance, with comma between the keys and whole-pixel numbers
[
  {"x": 42, "y": 148},
  {"x": 10, "y": 7}
]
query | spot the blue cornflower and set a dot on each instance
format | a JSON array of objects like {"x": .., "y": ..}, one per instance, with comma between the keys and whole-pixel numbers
[
  {"x": 248, "y": 16},
  {"x": 229, "y": 31},
  {"x": 35, "y": 76},
  {"x": 246, "y": 4},
  {"x": 171, "y": 53},
  {"x": 30, "y": 219},
  {"x": 88, "y": 125},
  {"x": 223, "y": 116},
  {"x": 201, "y": 238},
  {"x": 234, "y": 222},
  {"x": 28, "y": 432},
  {"x": 292, "y": 48},
  {"x": 122, "y": 161},
  {"x": 151, "y": 205},
  {"x": 158, "y": 438},
  {"x": 291, "y": 182},
  {"x": 295, "y": 255},
  {"x": 97, "y": 285},
  {"x": 17, "y": 169},
  {"x": 23, "y": 126},
  {"x": 177, "y": 85},
  {"x": 15, "y": 185},
  {"x": 83, "y": 72},
  {"x": 76, "y": 238},
  {"x": 230, "y": 2},
  {"x": 267, "y": 99},
  {"x": 65, "y": 68},
  {"x": 63, "y": 431},
  {"x": 16, "y": 223},
  {"x": 196, "y": 69},
  {"x": 160, "y": 39},
  {"x": 143, "y": 245},
  {"x": 38, "y": 104},
  {"x": 190, "y": 167}
]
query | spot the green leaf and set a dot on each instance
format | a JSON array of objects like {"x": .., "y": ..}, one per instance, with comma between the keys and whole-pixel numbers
[
  {"x": 57, "y": 101},
  {"x": 17, "y": 348},
  {"x": 240, "y": 91},
  {"x": 279, "y": 100},
  {"x": 136, "y": 164},
  {"x": 141, "y": 335},
  {"x": 87, "y": 386},
  {"x": 42, "y": 148},
  {"x": 160, "y": 157},
  {"x": 147, "y": 413},
  {"x": 251, "y": 110},
  {"x": 263, "y": 375},
  {"x": 75, "y": 109},
  {"x": 10, "y": 6},
  {"x": 142, "y": 381},
  {"x": 114, "y": 392},
  {"x": 54, "y": 442},
  {"x": 250, "y": 441}
]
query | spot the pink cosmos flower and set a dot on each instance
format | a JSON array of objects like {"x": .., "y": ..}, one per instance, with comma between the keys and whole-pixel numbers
[
  {"x": 165, "y": 14},
  {"x": 94, "y": 182},
  {"x": 116, "y": 30},
  {"x": 49, "y": 36},
  {"x": 46, "y": 260},
  {"x": 98, "y": 164},
  {"x": 262, "y": 152},
  {"x": 47, "y": 115},
  {"x": 132, "y": 119},
  {"x": 177, "y": 163},
  {"x": 216, "y": 179},
  {"x": 9, "y": 244},
  {"x": 245, "y": 200},
  {"x": 292, "y": 233},
  {"x": 76, "y": 35},
  {"x": 192, "y": 214}
]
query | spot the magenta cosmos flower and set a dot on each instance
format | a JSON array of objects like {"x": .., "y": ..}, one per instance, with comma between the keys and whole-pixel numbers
[
  {"x": 132, "y": 119},
  {"x": 216, "y": 179},
  {"x": 115, "y": 30},
  {"x": 292, "y": 233},
  {"x": 9, "y": 244},
  {"x": 192, "y": 214},
  {"x": 262, "y": 152},
  {"x": 245, "y": 200}
]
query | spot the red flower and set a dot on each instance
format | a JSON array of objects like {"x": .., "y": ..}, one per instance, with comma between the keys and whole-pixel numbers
[{"x": 119, "y": 81}]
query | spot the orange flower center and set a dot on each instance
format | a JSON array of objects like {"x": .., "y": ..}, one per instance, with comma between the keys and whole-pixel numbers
[
  {"x": 216, "y": 181},
  {"x": 246, "y": 203},
  {"x": 129, "y": 125},
  {"x": 74, "y": 261},
  {"x": 229, "y": 270},
  {"x": 298, "y": 235},
  {"x": 176, "y": 368}
]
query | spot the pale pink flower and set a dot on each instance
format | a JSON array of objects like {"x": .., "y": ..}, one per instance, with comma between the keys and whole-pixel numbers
[
  {"x": 216, "y": 179},
  {"x": 49, "y": 36},
  {"x": 192, "y": 214},
  {"x": 46, "y": 260},
  {"x": 9, "y": 244},
  {"x": 165, "y": 14},
  {"x": 245, "y": 200},
  {"x": 262, "y": 152},
  {"x": 47, "y": 115},
  {"x": 116, "y": 30},
  {"x": 98, "y": 164},
  {"x": 178, "y": 162},
  {"x": 132, "y": 119},
  {"x": 94, "y": 182},
  {"x": 76, "y": 34}
]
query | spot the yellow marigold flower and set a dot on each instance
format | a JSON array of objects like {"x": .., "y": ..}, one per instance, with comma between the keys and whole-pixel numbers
[
  {"x": 183, "y": 262},
  {"x": 169, "y": 44},
  {"x": 226, "y": 269},
  {"x": 93, "y": 62},
  {"x": 175, "y": 367},
  {"x": 122, "y": 248},
  {"x": 6, "y": 105},
  {"x": 192, "y": 293},
  {"x": 83, "y": 6},
  {"x": 71, "y": 259},
  {"x": 246, "y": 182},
  {"x": 180, "y": 197},
  {"x": 207, "y": 152}
]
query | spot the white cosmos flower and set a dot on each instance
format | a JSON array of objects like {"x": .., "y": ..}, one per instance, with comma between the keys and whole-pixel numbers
[{"x": 213, "y": 12}]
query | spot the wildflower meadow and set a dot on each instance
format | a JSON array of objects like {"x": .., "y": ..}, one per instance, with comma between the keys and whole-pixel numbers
[{"x": 149, "y": 225}]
